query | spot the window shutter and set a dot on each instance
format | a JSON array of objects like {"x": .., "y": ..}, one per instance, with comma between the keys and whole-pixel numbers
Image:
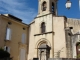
[
  {"x": 8, "y": 34},
  {"x": 4, "y": 48},
  {"x": 8, "y": 50},
  {"x": 22, "y": 54},
  {"x": 23, "y": 38}
]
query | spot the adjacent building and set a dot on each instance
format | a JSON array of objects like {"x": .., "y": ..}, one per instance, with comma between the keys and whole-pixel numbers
[{"x": 13, "y": 36}]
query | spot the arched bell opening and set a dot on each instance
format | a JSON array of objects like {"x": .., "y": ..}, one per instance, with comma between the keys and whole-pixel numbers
[
  {"x": 53, "y": 8},
  {"x": 44, "y": 6}
]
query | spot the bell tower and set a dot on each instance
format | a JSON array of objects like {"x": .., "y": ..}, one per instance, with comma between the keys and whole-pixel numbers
[{"x": 47, "y": 6}]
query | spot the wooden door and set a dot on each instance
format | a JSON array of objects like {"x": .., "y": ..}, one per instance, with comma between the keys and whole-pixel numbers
[{"x": 78, "y": 49}]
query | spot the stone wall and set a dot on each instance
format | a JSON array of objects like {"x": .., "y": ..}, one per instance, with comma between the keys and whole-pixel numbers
[{"x": 75, "y": 23}]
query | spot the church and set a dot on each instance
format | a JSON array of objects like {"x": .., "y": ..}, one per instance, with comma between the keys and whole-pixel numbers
[{"x": 47, "y": 36}]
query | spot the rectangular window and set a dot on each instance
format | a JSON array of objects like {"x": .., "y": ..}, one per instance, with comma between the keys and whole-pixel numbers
[
  {"x": 8, "y": 34},
  {"x": 8, "y": 50},
  {"x": 23, "y": 38},
  {"x": 22, "y": 54},
  {"x": 5, "y": 48}
]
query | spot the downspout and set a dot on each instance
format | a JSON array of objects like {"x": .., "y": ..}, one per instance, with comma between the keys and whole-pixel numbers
[{"x": 52, "y": 39}]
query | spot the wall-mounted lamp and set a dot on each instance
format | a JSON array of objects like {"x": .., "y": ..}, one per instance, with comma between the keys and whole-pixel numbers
[{"x": 68, "y": 4}]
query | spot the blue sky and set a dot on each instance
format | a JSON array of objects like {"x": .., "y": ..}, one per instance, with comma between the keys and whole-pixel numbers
[{"x": 27, "y": 9}]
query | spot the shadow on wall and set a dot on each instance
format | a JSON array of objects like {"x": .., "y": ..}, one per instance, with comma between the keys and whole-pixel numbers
[{"x": 58, "y": 59}]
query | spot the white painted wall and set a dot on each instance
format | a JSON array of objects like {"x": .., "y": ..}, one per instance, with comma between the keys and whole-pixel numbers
[{"x": 59, "y": 37}]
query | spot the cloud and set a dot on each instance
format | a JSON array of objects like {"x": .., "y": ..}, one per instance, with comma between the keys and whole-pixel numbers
[{"x": 18, "y": 8}]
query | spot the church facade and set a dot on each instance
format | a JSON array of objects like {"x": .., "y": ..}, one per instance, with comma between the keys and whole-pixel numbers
[{"x": 47, "y": 36}]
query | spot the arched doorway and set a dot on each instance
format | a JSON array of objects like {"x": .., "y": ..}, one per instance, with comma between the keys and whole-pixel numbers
[
  {"x": 78, "y": 49},
  {"x": 43, "y": 51}
]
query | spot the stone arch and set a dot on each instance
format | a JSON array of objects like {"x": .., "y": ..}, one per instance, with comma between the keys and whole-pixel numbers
[
  {"x": 41, "y": 41},
  {"x": 78, "y": 49},
  {"x": 42, "y": 22},
  {"x": 42, "y": 46}
]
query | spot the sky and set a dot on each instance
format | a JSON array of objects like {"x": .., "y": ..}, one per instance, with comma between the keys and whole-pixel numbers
[{"x": 27, "y": 10}]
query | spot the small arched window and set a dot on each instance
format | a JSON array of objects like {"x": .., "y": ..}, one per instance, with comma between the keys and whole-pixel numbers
[
  {"x": 52, "y": 7},
  {"x": 44, "y": 6},
  {"x": 42, "y": 27}
]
